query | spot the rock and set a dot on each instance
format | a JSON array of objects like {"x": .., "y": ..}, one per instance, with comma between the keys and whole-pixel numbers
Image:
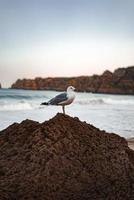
[
  {"x": 0, "y": 85},
  {"x": 119, "y": 82},
  {"x": 25, "y": 84},
  {"x": 64, "y": 158}
]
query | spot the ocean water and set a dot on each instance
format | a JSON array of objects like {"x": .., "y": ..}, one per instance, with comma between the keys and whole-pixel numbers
[{"x": 113, "y": 113}]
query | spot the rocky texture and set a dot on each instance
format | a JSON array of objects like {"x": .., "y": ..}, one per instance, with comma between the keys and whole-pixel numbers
[
  {"x": 64, "y": 159},
  {"x": 0, "y": 85},
  {"x": 121, "y": 81}
]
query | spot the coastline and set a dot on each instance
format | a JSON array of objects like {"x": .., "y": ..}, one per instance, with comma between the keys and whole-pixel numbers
[{"x": 118, "y": 82}]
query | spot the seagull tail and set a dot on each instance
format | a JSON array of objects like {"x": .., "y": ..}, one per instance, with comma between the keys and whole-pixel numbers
[{"x": 44, "y": 103}]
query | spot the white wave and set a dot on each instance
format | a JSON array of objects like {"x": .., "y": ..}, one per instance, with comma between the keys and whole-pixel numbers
[
  {"x": 8, "y": 105},
  {"x": 89, "y": 101},
  {"x": 101, "y": 101},
  {"x": 119, "y": 101},
  {"x": 15, "y": 106}
]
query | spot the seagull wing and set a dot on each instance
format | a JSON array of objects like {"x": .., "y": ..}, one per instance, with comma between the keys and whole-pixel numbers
[{"x": 58, "y": 99}]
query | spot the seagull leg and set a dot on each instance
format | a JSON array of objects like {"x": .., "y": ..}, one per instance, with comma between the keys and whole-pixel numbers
[{"x": 63, "y": 108}]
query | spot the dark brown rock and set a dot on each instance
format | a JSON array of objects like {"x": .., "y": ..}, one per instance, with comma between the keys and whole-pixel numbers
[
  {"x": 119, "y": 82},
  {"x": 64, "y": 159}
]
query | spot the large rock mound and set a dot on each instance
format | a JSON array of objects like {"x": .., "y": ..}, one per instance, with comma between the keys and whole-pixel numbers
[
  {"x": 121, "y": 81},
  {"x": 63, "y": 159}
]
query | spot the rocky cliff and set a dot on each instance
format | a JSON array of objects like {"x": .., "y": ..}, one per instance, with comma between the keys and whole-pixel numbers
[
  {"x": 121, "y": 81},
  {"x": 64, "y": 158},
  {"x": 0, "y": 85}
]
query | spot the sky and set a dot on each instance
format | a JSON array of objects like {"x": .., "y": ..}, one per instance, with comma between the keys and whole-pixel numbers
[{"x": 43, "y": 38}]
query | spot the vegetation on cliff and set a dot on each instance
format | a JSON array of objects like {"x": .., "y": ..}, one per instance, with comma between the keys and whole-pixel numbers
[
  {"x": 121, "y": 81},
  {"x": 64, "y": 158}
]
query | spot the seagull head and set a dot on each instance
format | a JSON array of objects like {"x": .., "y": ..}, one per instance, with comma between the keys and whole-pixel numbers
[{"x": 70, "y": 89}]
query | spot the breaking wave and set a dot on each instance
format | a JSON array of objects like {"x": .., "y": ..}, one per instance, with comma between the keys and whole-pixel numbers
[
  {"x": 25, "y": 100},
  {"x": 101, "y": 101},
  {"x": 90, "y": 101},
  {"x": 27, "y": 105},
  {"x": 15, "y": 106},
  {"x": 28, "y": 97}
]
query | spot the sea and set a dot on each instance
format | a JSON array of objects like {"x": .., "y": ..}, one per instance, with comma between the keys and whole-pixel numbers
[{"x": 112, "y": 113}]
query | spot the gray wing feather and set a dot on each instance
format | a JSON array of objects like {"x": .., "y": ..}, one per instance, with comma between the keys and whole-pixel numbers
[{"x": 58, "y": 99}]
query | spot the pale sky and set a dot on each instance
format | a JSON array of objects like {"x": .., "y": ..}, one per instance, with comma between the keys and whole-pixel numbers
[{"x": 64, "y": 37}]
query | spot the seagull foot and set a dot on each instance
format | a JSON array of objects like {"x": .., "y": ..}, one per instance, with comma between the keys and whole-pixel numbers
[{"x": 63, "y": 108}]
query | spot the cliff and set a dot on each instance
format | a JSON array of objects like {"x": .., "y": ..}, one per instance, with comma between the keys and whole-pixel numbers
[
  {"x": 64, "y": 158},
  {"x": 0, "y": 85},
  {"x": 121, "y": 81}
]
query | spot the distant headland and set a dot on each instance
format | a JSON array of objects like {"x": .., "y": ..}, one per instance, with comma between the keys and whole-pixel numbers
[{"x": 121, "y": 81}]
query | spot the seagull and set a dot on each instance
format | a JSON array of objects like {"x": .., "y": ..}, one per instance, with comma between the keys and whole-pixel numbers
[{"x": 62, "y": 99}]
